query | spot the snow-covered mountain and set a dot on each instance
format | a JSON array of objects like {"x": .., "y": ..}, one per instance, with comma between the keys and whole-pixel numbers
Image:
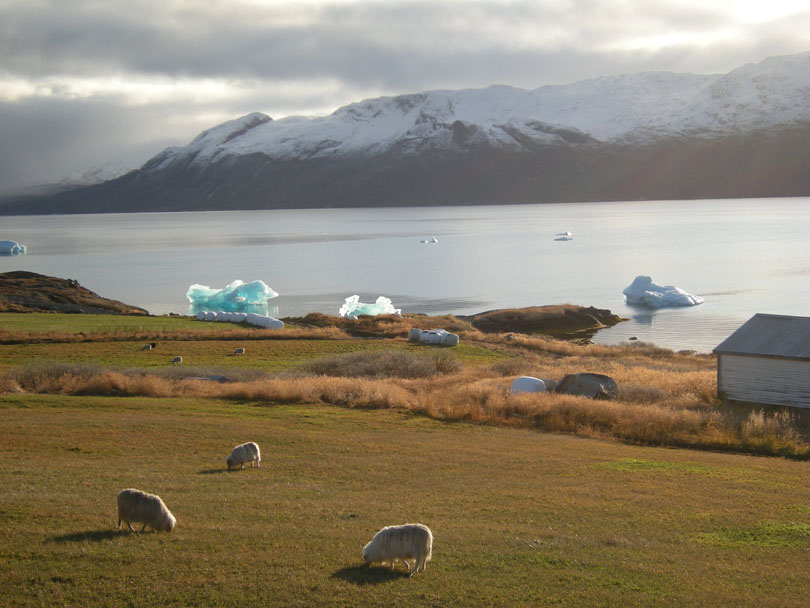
[{"x": 598, "y": 139}]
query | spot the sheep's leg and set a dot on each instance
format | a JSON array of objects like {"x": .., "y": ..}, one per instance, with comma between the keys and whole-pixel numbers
[
  {"x": 144, "y": 528},
  {"x": 131, "y": 529},
  {"x": 118, "y": 525}
]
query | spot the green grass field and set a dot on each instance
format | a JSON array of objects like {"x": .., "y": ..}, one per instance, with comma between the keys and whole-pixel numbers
[{"x": 520, "y": 518}]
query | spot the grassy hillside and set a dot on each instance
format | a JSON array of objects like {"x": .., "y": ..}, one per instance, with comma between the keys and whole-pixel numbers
[
  {"x": 519, "y": 518},
  {"x": 664, "y": 398},
  {"x": 524, "y": 510}
]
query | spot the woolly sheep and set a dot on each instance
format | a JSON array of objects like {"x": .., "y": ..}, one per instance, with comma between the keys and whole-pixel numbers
[
  {"x": 246, "y": 452},
  {"x": 139, "y": 507},
  {"x": 146, "y": 347},
  {"x": 177, "y": 359},
  {"x": 408, "y": 541},
  {"x": 239, "y": 351}
]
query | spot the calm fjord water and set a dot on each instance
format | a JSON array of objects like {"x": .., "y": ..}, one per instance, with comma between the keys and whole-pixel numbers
[{"x": 742, "y": 256}]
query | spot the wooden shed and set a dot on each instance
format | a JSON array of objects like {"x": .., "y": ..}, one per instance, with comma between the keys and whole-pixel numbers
[{"x": 767, "y": 360}]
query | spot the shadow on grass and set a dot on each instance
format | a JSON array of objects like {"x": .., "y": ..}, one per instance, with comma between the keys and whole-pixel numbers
[
  {"x": 93, "y": 535},
  {"x": 214, "y": 471},
  {"x": 365, "y": 575}
]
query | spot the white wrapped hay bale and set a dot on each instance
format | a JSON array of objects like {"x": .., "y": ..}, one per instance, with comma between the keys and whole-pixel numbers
[
  {"x": 430, "y": 337},
  {"x": 414, "y": 334},
  {"x": 449, "y": 339},
  {"x": 527, "y": 384}
]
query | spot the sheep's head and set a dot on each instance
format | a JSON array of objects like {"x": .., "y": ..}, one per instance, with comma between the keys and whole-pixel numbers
[
  {"x": 367, "y": 555},
  {"x": 230, "y": 462},
  {"x": 168, "y": 525}
]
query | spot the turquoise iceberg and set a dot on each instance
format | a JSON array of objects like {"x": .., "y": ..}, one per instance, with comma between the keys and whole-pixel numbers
[
  {"x": 236, "y": 297},
  {"x": 353, "y": 307}
]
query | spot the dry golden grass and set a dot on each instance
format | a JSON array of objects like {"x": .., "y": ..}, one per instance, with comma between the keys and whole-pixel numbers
[
  {"x": 206, "y": 332},
  {"x": 662, "y": 401}
]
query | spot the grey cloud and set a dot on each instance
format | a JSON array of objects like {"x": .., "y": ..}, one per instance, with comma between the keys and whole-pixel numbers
[
  {"x": 362, "y": 49},
  {"x": 365, "y": 43},
  {"x": 45, "y": 140}
]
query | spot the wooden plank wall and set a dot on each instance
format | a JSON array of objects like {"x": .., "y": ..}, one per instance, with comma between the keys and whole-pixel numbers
[{"x": 764, "y": 380}]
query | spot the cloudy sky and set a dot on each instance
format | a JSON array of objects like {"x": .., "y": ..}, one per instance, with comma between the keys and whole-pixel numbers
[{"x": 89, "y": 83}]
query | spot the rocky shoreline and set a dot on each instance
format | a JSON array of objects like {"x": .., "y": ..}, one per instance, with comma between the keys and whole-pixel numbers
[{"x": 22, "y": 291}]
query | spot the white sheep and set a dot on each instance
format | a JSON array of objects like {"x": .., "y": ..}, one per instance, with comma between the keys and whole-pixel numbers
[
  {"x": 239, "y": 351},
  {"x": 246, "y": 452},
  {"x": 408, "y": 541},
  {"x": 177, "y": 359},
  {"x": 139, "y": 507}
]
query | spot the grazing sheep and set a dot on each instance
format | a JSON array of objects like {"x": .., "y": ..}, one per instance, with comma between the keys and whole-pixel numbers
[
  {"x": 408, "y": 541},
  {"x": 246, "y": 452},
  {"x": 239, "y": 351},
  {"x": 142, "y": 508},
  {"x": 177, "y": 359},
  {"x": 146, "y": 347}
]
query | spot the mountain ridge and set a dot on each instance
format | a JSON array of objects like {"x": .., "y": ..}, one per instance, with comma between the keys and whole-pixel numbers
[{"x": 625, "y": 137}]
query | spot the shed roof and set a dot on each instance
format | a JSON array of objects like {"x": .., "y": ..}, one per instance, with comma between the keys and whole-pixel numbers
[{"x": 770, "y": 335}]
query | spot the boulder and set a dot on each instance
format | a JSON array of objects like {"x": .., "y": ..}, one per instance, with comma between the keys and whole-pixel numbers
[{"x": 595, "y": 386}]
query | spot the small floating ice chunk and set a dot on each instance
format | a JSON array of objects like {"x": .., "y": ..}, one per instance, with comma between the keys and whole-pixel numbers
[
  {"x": 564, "y": 238},
  {"x": 354, "y": 307},
  {"x": 237, "y": 296},
  {"x": 430, "y": 240},
  {"x": 11, "y": 248},
  {"x": 643, "y": 291},
  {"x": 565, "y": 233}
]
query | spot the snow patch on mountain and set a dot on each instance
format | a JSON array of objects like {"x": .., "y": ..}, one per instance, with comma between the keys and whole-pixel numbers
[{"x": 630, "y": 107}]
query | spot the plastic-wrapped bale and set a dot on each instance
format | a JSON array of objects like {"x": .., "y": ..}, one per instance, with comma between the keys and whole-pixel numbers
[
  {"x": 239, "y": 317},
  {"x": 430, "y": 337},
  {"x": 527, "y": 384},
  {"x": 449, "y": 339},
  {"x": 201, "y": 315},
  {"x": 439, "y": 336},
  {"x": 414, "y": 334}
]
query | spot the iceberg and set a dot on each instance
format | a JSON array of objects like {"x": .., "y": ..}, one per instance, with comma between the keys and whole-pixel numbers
[
  {"x": 236, "y": 297},
  {"x": 354, "y": 307},
  {"x": 11, "y": 248},
  {"x": 643, "y": 291}
]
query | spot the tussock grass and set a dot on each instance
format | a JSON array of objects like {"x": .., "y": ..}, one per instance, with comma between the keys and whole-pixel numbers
[
  {"x": 385, "y": 364},
  {"x": 653, "y": 408},
  {"x": 665, "y": 398}
]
